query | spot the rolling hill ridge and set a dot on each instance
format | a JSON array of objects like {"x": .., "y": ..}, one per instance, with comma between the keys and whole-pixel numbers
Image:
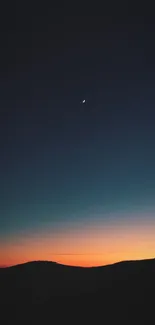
[{"x": 121, "y": 291}]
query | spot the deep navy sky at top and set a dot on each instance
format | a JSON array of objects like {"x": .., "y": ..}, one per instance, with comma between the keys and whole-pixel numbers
[{"x": 59, "y": 157}]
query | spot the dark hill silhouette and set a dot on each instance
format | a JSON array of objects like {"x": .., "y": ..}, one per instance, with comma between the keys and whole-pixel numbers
[{"x": 121, "y": 292}]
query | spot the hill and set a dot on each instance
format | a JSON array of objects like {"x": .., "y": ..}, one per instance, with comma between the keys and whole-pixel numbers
[{"x": 122, "y": 292}]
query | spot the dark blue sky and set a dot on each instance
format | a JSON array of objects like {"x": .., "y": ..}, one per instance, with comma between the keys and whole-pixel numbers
[{"x": 59, "y": 157}]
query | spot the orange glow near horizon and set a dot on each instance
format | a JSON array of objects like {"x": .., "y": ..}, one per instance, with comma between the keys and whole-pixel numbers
[{"x": 83, "y": 245}]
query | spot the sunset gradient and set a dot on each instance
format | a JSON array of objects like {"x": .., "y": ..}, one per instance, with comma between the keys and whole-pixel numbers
[
  {"x": 77, "y": 182},
  {"x": 84, "y": 244}
]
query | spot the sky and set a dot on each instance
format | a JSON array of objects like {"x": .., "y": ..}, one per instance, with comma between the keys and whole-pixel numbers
[{"x": 77, "y": 181}]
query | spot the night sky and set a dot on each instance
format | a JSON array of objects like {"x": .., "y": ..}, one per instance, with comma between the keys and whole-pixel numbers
[{"x": 77, "y": 181}]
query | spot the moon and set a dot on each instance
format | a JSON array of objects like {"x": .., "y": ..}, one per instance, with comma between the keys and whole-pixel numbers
[{"x": 83, "y": 102}]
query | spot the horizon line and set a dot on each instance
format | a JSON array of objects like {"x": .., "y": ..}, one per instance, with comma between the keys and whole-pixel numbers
[{"x": 102, "y": 265}]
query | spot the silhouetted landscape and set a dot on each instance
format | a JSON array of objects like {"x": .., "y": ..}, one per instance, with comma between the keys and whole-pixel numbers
[
  {"x": 44, "y": 290},
  {"x": 77, "y": 164}
]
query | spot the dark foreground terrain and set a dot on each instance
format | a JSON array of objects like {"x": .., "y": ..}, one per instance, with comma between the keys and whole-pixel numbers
[{"x": 49, "y": 293}]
